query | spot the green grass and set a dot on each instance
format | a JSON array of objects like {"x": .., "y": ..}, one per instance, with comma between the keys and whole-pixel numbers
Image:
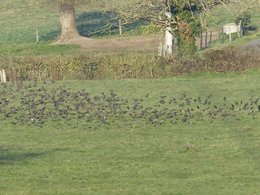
[
  {"x": 236, "y": 41},
  {"x": 19, "y": 21},
  {"x": 36, "y": 49},
  {"x": 220, "y": 16},
  {"x": 201, "y": 158}
]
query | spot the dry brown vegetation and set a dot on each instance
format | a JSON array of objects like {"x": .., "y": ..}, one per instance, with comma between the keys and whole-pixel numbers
[
  {"x": 231, "y": 59},
  {"x": 126, "y": 65}
]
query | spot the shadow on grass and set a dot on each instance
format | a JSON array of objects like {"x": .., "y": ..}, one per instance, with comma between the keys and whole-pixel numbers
[
  {"x": 50, "y": 36},
  {"x": 8, "y": 157},
  {"x": 103, "y": 24},
  {"x": 97, "y": 24}
]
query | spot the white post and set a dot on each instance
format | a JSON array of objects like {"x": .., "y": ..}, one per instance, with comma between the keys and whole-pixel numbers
[
  {"x": 2, "y": 76},
  {"x": 120, "y": 27},
  {"x": 37, "y": 35},
  {"x": 168, "y": 41},
  {"x": 168, "y": 34}
]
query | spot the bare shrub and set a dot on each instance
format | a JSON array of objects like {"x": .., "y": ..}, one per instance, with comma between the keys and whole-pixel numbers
[
  {"x": 91, "y": 66},
  {"x": 126, "y": 65},
  {"x": 230, "y": 59}
]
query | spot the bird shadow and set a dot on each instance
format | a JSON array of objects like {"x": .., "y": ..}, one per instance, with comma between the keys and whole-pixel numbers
[{"x": 12, "y": 156}]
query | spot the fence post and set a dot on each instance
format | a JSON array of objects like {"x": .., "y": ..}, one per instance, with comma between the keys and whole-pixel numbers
[
  {"x": 37, "y": 35},
  {"x": 120, "y": 27},
  {"x": 239, "y": 29},
  {"x": 206, "y": 40},
  {"x": 230, "y": 35},
  {"x": 219, "y": 35},
  {"x": 223, "y": 35},
  {"x": 210, "y": 37},
  {"x": 2, "y": 76},
  {"x": 201, "y": 39},
  {"x": 242, "y": 31}
]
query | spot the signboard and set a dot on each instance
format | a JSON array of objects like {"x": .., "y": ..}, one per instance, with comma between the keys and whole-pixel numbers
[{"x": 231, "y": 28}]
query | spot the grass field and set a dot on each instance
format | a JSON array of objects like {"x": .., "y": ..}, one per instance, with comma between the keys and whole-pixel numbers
[
  {"x": 193, "y": 134},
  {"x": 219, "y": 156},
  {"x": 37, "y": 49},
  {"x": 19, "y": 21},
  {"x": 220, "y": 16}
]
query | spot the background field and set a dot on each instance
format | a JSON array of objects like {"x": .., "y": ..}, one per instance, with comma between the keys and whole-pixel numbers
[{"x": 19, "y": 22}]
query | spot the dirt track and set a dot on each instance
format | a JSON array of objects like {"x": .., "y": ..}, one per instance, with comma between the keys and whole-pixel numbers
[
  {"x": 137, "y": 43},
  {"x": 255, "y": 45}
]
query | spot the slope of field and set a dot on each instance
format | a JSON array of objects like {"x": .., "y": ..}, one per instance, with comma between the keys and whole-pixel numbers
[
  {"x": 20, "y": 19},
  {"x": 220, "y": 16},
  {"x": 218, "y": 155}
]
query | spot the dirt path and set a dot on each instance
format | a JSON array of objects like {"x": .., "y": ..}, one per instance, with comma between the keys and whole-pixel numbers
[
  {"x": 255, "y": 45},
  {"x": 137, "y": 43}
]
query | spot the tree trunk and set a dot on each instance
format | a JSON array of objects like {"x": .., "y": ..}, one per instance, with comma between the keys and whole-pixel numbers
[{"x": 68, "y": 22}]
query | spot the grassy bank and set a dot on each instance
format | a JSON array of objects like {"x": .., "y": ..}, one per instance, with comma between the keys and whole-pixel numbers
[{"x": 206, "y": 156}]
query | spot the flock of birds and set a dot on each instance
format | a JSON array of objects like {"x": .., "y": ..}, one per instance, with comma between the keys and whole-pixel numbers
[{"x": 37, "y": 104}]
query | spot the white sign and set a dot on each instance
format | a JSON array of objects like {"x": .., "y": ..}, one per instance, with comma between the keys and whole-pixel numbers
[{"x": 231, "y": 28}]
